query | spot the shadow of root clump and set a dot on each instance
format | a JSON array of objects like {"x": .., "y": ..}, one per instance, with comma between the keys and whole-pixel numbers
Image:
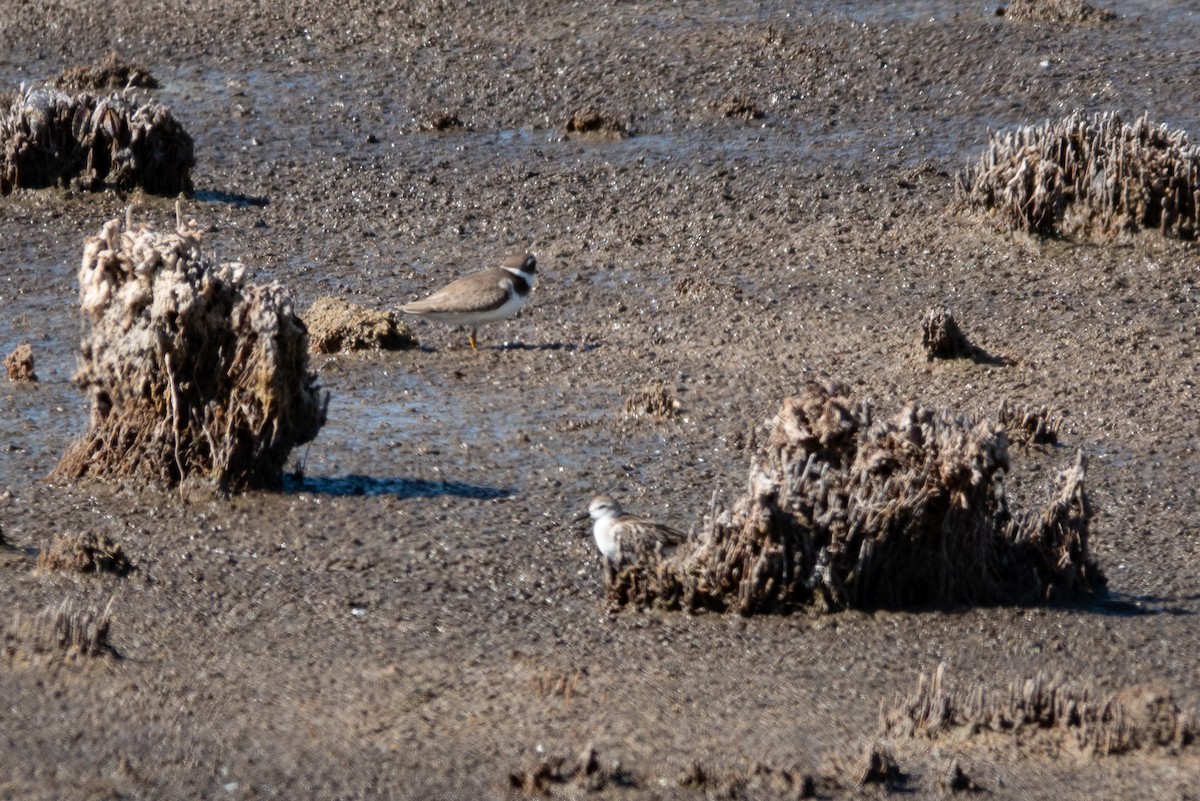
[
  {"x": 845, "y": 511},
  {"x": 191, "y": 371}
]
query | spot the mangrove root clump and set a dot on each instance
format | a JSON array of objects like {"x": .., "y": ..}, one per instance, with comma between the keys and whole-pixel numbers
[
  {"x": 846, "y": 511},
  {"x": 48, "y": 137},
  {"x": 60, "y": 629},
  {"x": 1091, "y": 176},
  {"x": 191, "y": 371},
  {"x": 1101, "y": 724},
  {"x": 1029, "y": 426},
  {"x": 113, "y": 72},
  {"x": 86, "y": 552},
  {"x": 942, "y": 338},
  {"x": 19, "y": 363},
  {"x": 336, "y": 325}
]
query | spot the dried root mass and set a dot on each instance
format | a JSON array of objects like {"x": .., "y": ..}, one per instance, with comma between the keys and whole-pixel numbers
[
  {"x": 1101, "y": 724},
  {"x": 1091, "y": 176},
  {"x": 86, "y": 552},
  {"x": 337, "y": 325},
  {"x": 191, "y": 371},
  {"x": 846, "y": 511},
  {"x": 48, "y": 137},
  {"x": 19, "y": 364}
]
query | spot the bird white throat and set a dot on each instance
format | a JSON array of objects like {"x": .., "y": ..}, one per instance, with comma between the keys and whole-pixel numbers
[{"x": 482, "y": 297}]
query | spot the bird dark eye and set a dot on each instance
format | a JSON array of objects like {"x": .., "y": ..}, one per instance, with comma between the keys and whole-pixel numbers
[{"x": 529, "y": 265}]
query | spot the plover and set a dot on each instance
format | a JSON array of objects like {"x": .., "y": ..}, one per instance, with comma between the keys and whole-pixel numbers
[
  {"x": 624, "y": 538},
  {"x": 481, "y": 297}
]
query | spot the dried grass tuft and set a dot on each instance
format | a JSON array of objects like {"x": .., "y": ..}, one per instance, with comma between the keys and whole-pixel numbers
[
  {"x": 19, "y": 363},
  {"x": 191, "y": 371},
  {"x": 846, "y": 511},
  {"x": 60, "y": 629},
  {"x": 49, "y": 137},
  {"x": 1058, "y": 11},
  {"x": 87, "y": 552},
  {"x": 112, "y": 72},
  {"x": 1091, "y": 176},
  {"x": 654, "y": 401},
  {"x": 598, "y": 122},
  {"x": 1101, "y": 724},
  {"x": 337, "y": 325}
]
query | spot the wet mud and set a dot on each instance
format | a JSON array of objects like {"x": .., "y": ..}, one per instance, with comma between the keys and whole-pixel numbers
[{"x": 415, "y": 614}]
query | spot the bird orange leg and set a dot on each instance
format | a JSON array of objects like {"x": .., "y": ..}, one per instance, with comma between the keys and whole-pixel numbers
[{"x": 472, "y": 339}]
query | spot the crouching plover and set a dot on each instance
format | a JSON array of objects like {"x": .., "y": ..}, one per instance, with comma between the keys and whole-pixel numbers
[
  {"x": 481, "y": 297},
  {"x": 624, "y": 538}
]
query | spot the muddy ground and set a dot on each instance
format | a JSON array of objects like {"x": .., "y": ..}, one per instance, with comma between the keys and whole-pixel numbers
[{"x": 418, "y": 617}]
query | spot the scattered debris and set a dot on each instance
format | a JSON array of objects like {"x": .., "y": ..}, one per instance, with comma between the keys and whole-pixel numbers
[
  {"x": 878, "y": 766},
  {"x": 705, "y": 289},
  {"x": 443, "y": 121},
  {"x": 1092, "y": 176},
  {"x": 1136, "y": 718},
  {"x": 336, "y": 325},
  {"x": 847, "y": 511},
  {"x": 1028, "y": 426},
  {"x": 191, "y": 371},
  {"x": 654, "y": 401},
  {"x": 590, "y": 120},
  {"x": 19, "y": 363},
  {"x": 48, "y": 137},
  {"x": 942, "y": 338},
  {"x": 113, "y": 72},
  {"x": 740, "y": 107},
  {"x": 86, "y": 552},
  {"x": 584, "y": 771},
  {"x": 1059, "y": 11},
  {"x": 759, "y": 780},
  {"x": 60, "y": 629}
]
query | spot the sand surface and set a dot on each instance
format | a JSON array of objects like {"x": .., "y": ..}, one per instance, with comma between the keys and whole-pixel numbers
[{"x": 419, "y": 618}]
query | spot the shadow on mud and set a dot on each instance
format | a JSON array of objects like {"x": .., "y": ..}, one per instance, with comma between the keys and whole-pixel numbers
[
  {"x": 1120, "y": 604},
  {"x": 344, "y": 486},
  {"x": 232, "y": 198}
]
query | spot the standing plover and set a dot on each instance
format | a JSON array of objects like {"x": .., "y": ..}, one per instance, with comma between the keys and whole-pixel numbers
[
  {"x": 624, "y": 538},
  {"x": 481, "y": 297}
]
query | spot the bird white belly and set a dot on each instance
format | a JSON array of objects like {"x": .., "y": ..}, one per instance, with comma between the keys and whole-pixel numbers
[
  {"x": 474, "y": 317},
  {"x": 606, "y": 541}
]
